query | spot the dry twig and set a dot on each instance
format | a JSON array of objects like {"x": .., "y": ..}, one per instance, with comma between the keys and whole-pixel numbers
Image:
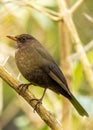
[
  {"x": 75, "y": 56},
  {"x": 76, "y": 6},
  {"x": 49, "y": 13}
]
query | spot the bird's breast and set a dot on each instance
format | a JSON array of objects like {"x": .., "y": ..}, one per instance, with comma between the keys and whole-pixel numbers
[
  {"x": 28, "y": 65},
  {"x": 26, "y": 60}
]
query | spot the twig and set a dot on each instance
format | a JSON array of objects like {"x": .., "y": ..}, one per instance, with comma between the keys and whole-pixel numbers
[
  {"x": 88, "y": 17},
  {"x": 41, "y": 10},
  {"x": 76, "y": 6},
  {"x": 49, "y": 13},
  {"x": 55, "y": 16},
  {"x": 46, "y": 116},
  {"x": 75, "y": 56}
]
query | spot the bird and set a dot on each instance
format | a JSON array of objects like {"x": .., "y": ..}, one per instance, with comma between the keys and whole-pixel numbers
[{"x": 38, "y": 66}]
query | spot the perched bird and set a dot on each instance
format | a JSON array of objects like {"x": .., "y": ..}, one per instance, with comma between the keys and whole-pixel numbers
[{"x": 39, "y": 68}]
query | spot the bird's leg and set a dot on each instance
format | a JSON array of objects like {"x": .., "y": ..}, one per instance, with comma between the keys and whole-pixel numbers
[
  {"x": 23, "y": 87},
  {"x": 39, "y": 101}
]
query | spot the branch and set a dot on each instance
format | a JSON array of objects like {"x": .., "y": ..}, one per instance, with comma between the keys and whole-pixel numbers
[
  {"x": 55, "y": 16},
  {"x": 76, "y": 6},
  {"x": 75, "y": 56},
  {"x": 88, "y": 17},
  {"x": 46, "y": 116},
  {"x": 78, "y": 44},
  {"x": 49, "y": 13}
]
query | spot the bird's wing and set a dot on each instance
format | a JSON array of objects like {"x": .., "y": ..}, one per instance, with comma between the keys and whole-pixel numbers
[
  {"x": 56, "y": 74},
  {"x": 52, "y": 68}
]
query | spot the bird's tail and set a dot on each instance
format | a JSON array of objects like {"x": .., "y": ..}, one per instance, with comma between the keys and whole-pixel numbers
[{"x": 78, "y": 106}]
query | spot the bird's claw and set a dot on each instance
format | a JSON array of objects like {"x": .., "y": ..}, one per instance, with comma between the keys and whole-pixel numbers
[
  {"x": 38, "y": 103},
  {"x": 22, "y": 88}
]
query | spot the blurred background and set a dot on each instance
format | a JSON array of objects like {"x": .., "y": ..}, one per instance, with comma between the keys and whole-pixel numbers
[{"x": 40, "y": 19}]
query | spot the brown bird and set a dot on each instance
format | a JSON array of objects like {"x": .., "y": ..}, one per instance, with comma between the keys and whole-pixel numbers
[{"x": 39, "y": 68}]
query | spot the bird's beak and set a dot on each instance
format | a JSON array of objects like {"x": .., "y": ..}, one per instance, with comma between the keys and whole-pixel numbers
[{"x": 12, "y": 37}]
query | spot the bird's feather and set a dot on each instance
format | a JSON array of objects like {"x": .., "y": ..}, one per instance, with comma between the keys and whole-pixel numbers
[{"x": 52, "y": 69}]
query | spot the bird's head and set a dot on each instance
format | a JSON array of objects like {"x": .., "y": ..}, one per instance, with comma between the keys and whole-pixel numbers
[{"x": 22, "y": 39}]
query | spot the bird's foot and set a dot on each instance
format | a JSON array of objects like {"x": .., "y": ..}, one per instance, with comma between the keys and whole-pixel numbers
[
  {"x": 38, "y": 103},
  {"x": 22, "y": 88}
]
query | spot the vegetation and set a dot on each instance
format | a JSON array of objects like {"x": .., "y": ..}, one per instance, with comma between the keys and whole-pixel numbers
[{"x": 65, "y": 28}]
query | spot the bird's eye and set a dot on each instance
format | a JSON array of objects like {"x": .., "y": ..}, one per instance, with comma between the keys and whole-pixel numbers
[{"x": 22, "y": 39}]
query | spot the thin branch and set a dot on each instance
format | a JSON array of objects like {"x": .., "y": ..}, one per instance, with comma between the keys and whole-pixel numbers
[
  {"x": 55, "y": 16},
  {"x": 75, "y": 56},
  {"x": 46, "y": 116},
  {"x": 88, "y": 17},
  {"x": 76, "y": 6},
  {"x": 49, "y": 13}
]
